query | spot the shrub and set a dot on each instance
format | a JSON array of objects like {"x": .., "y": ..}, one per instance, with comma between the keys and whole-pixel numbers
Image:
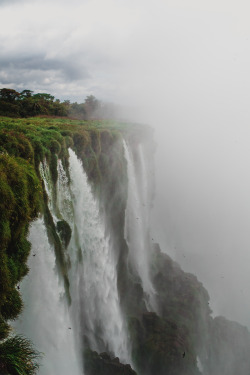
[
  {"x": 18, "y": 357},
  {"x": 12, "y": 306}
]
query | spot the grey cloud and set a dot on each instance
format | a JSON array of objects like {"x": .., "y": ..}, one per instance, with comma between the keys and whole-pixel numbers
[
  {"x": 66, "y": 79},
  {"x": 69, "y": 70},
  {"x": 63, "y": 79},
  {"x": 10, "y": 2}
]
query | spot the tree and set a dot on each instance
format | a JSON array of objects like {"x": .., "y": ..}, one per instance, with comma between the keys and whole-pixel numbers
[
  {"x": 91, "y": 105},
  {"x": 45, "y": 97},
  {"x": 8, "y": 95},
  {"x": 25, "y": 94}
]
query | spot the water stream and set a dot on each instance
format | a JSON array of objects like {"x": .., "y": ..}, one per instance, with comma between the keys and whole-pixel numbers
[{"x": 94, "y": 316}]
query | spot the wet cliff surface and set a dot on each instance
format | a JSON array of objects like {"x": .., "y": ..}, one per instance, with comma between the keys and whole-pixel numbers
[{"x": 101, "y": 297}]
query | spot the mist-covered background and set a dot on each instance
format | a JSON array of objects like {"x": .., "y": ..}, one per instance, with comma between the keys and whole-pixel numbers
[{"x": 181, "y": 66}]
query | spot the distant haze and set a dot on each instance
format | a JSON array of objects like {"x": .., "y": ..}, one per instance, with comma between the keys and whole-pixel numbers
[{"x": 183, "y": 66}]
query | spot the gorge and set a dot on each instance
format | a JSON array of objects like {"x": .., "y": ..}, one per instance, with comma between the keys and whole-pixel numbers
[{"x": 100, "y": 296}]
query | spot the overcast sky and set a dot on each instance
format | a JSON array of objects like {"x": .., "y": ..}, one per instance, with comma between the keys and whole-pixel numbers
[
  {"x": 116, "y": 49},
  {"x": 184, "y": 65}
]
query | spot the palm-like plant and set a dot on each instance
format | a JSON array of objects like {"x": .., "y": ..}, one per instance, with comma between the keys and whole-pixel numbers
[{"x": 18, "y": 357}]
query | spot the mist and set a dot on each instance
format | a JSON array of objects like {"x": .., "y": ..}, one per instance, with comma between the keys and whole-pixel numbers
[
  {"x": 202, "y": 210},
  {"x": 191, "y": 85}
]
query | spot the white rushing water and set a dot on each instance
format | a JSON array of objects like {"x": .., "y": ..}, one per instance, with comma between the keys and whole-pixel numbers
[
  {"x": 45, "y": 174},
  {"x": 199, "y": 365},
  {"x": 57, "y": 329},
  {"x": 137, "y": 221},
  {"x": 95, "y": 295},
  {"x": 45, "y": 319}
]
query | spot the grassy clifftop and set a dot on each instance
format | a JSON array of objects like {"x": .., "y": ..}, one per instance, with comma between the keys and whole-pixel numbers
[
  {"x": 168, "y": 341},
  {"x": 24, "y": 143}
]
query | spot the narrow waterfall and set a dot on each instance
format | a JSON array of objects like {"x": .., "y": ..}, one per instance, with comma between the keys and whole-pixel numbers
[
  {"x": 45, "y": 174},
  {"x": 137, "y": 232},
  {"x": 199, "y": 365},
  {"x": 94, "y": 280},
  {"x": 45, "y": 319}
]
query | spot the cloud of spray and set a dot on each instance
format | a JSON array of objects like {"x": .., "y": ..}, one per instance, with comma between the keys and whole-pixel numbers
[{"x": 190, "y": 79}]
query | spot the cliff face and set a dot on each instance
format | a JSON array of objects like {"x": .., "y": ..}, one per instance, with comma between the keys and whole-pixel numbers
[{"x": 91, "y": 183}]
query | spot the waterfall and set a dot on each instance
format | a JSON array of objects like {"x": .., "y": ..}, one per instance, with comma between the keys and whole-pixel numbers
[
  {"x": 94, "y": 279},
  {"x": 46, "y": 177},
  {"x": 81, "y": 265},
  {"x": 199, "y": 365},
  {"x": 94, "y": 315},
  {"x": 45, "y": 319},
  {"x": 137, "y": 222}
]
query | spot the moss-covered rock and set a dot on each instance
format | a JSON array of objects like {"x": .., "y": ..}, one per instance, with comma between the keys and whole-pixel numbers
[
  {"x": 23, "y": 145},
  {"x": 64, "y": 230},
  {"x": 12, "y": 306},
  {"x": 20, "y": 191}
]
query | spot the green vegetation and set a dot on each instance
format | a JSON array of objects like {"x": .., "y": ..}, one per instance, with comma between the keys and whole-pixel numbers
[
  {"x": 27, "y": 104},
  {"x": 20, "y": 202},
  {"x": 18, "y": 357},
  {"x": 24, "y": 143},
  {"x": 164, "y": 342}
]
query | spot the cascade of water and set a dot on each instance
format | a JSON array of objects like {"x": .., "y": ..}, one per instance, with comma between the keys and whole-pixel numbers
[
  {"x": 137, "y": 232},
  {"x": 94, "y": 280},
  {"x": 45, "y": 319},
  {"x": 45, "y": 174},
  {"x": 56, "y": 328},
  {"x": 64, "y": 200},
  {"x": 199, "y": 365}
]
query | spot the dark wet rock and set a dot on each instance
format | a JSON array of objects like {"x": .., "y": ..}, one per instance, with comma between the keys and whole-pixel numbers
[
  {"x": 64, "y": 230},
  {"x": 159, "y": 344},
  {"x": 104, "y": 364},
  {"x": 228, "y": 348}
]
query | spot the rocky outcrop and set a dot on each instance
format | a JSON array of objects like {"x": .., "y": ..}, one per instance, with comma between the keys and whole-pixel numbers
[
  {"x": 103, "y": 364},
  {"x": 162, "y": 347},
  {"x": 228, "y": 348}
]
